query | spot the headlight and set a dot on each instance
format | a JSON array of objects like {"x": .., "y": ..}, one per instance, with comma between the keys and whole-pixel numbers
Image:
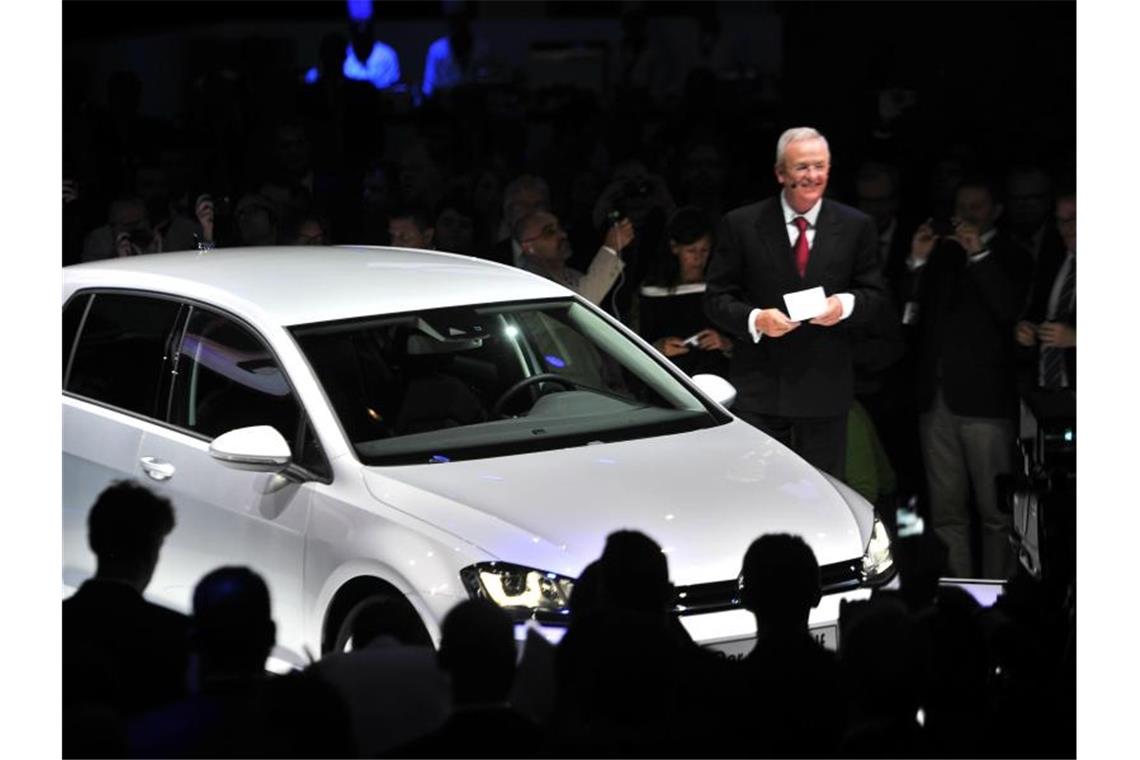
[
  {"x": 522, "y": 591},
  {"x": 878, "y": 565}
]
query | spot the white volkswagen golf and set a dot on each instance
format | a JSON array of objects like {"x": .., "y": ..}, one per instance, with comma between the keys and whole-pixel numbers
[{"x": 362, "y": 422}]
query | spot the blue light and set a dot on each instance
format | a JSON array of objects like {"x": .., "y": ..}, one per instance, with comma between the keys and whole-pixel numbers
[
  {"x": 382, "y": 68},
  {"x": 312, "y": 75},
  {"x": 438, "y": 458},
  {"x": 1068, "y": 436},
  {"x": 360, "y": 10},
  {"x": 554, "y": 361}
]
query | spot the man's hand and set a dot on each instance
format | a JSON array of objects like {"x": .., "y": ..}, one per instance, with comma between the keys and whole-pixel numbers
[
  {"x": 620, "y": 235},
  {"x": 969, "y": 237},
  {"x": 773, "y": 323},
  {"x": 671, "y": 346},
  {"x": 1057, "y": 335},
  {"x": 1025, "y": 333},
  {"x": 204, "y": 211},
  {"x": 923, "y": 241},
  {"x": 832, "y": 315},
  {"x": 70, "y": 191}
]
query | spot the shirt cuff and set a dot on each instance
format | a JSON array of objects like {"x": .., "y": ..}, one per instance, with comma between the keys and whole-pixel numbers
[
  {"x": 756, "y": 334},
  {"x": 979, "y": 255},
  {"x": 914, "y": 264},
  {"x": 611, "y": 250},
  {"x": 848, "y": 302}
]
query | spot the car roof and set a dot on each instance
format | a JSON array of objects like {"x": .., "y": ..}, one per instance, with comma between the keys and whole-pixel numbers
[{"x": 290, "y": 285}]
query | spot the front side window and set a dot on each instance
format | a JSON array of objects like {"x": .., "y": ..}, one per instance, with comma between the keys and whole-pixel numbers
[
  {"x": 119, "y": 358},
  {"x": 225, "y": 379},
  {"x": 463, "y": 383}
]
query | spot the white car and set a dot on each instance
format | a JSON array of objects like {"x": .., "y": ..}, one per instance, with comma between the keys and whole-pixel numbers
[{"x": 363, "y": 422}]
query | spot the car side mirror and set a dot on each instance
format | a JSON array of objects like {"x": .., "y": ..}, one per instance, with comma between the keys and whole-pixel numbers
[
  {"x": 255, "y": 449},
  {"x": 716, "y": 388}
]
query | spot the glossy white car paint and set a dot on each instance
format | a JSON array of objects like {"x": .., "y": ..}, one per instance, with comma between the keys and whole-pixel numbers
[{"x": 415, "y": 526}]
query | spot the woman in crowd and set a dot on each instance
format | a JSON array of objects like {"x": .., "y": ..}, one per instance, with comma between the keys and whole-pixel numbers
[{"x": 670, "y": 311}]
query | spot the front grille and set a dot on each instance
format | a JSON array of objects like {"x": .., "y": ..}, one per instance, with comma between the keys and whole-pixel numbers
[{"x": 725, "y": 595}]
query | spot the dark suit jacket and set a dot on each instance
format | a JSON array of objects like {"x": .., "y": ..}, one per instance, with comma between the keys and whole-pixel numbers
[
  {"x": 1048, "y": 267},
  {"x": 967, "y": 315},
  {"x": 120, "y": 648},
  {"x": 807, "y": 372}
]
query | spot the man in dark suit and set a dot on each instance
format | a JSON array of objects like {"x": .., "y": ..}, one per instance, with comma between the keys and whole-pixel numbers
[
  {"x": 972, "y": 285},
  {"x": 1050, "y": 322},
  {"x": 793, "y": 379}
]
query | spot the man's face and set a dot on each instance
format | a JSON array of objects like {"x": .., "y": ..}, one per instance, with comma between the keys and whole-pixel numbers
[
  {"x": 976, "y": 206},
  {"x": 804, "y": 173},
  {"x": 1027, "y": 198},
  {"x": 455, "y": 231},
  {"x": 404, "y": 233},
  {"x": 1067, "y": 222},
  {"x": 545, "y": 240},
  {"x": 876, "y": 197}
]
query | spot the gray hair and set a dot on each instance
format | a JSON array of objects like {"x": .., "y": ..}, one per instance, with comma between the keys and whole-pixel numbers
[{"x": 797, "y": 134}]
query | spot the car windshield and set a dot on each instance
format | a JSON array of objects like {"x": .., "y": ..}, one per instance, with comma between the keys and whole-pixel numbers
[{"x": 478, "y": 381}]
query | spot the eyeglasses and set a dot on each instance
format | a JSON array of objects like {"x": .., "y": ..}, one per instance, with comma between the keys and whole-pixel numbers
[{"x": 549, "y": 231}]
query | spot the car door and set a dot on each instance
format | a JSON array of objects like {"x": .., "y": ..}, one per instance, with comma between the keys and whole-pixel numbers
[
  {"x": 114, "y": 346},
  {"x": 225, "y": 377}
]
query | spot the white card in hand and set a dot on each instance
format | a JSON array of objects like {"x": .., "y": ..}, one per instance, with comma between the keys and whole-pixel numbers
[{"x": 805, "y": 304}]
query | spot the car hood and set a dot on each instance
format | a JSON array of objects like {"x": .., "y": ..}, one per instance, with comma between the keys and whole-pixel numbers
[{"x": 704, "y": 496}]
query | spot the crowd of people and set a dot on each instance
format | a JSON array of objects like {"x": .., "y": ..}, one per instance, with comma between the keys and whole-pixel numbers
[
  {"x": 921, "y": 671},
  {"x": 954, "y": 302}
]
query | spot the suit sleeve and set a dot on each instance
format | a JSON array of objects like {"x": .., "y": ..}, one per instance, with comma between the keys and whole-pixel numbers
[
  {"x": 726, "y": 303},
  {"x": 1003, "y": 280},
  {"x": 867, "y": 283},
  {"x": 600, "y": 277}
]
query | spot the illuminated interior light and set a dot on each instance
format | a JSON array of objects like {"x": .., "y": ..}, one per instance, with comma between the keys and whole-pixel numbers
[
  {"x": 554, "y": 361},
  {"x": 511, "y": 331},
  {"x": 375, "y": 415}
]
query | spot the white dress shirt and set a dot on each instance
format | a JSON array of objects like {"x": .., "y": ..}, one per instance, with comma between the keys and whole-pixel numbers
[{"x": 847, "y": 300}]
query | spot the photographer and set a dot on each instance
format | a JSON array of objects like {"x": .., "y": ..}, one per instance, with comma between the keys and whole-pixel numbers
[
  {"x": 643, "y": 198},
  {"x": 128, "y": 232},
  {"x": 546, "y": 250},
  {"x": 972, "y": 282}
]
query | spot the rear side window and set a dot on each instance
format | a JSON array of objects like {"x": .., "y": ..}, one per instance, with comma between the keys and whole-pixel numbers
[
  {"x": 119, "y": 358},
  {"x": 72, "y": 318},
  {"x": 227, "y": 379}
]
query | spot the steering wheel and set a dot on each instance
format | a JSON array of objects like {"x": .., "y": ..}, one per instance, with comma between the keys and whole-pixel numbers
[{"x": 543, "y": 377}]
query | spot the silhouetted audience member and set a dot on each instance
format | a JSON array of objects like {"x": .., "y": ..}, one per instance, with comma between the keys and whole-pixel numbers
[
  {"x": 791, "y": 695},
  {"x": 237, "y": 709},
  {"x": 390, "y": 681},
  {"x": 121, "y": 654},
  {"x": 885, "y": 657},
  {"x": 477, "y": 649}
]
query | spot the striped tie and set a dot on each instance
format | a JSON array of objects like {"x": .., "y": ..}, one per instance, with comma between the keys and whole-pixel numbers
[{"x": 1053, "y": 359}]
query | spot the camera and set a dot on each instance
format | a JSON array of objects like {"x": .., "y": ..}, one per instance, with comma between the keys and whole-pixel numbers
[
  {"x": 1042, "y": 495},
  {"x": 942, "y": 226}
]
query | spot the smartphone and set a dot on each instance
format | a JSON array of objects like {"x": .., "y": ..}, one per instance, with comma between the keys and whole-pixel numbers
[{"x": 694, "y": 340}]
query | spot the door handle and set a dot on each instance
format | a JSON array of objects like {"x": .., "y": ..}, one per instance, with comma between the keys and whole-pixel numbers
[{"x": 157, "y": 469}]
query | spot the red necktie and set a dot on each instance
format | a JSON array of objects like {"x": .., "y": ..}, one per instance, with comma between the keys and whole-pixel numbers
[{"x": 801, "y": 245}]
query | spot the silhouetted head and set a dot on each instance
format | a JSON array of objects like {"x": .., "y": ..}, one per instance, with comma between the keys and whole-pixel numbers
[
  {"x": 233, "y": 631},
  {"x": 125, "y": 529},
  {"x": 411, "y": 225},
  {"x": 386, "y": 617},
  {"x": 884, "y": 654},
  {"x": 455, "y": 225},
  {"x": 635, "y": 573},
  {"x": 586, "y": 598},
  {"x": 780, "y": 581},
  {"x": 477, "y": 648}
]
